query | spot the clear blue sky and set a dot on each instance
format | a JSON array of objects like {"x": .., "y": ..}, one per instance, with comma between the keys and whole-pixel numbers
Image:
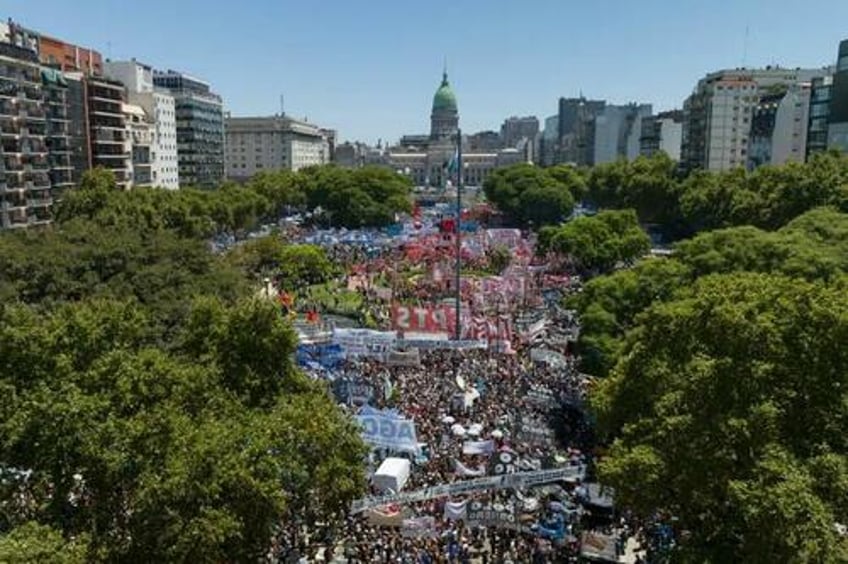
[{"x": 369, "y": 68}]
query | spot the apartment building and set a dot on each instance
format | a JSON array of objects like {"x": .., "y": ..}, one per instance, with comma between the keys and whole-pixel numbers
[
  {"x": 108, "y": 134},
  {"x": 256, "y": 144},
  {"x": 718, "y": 115},
  {"x": 160, "y": 109},
  {"x": 662, "y": 132},
  {"x": 25, "y": 167}
]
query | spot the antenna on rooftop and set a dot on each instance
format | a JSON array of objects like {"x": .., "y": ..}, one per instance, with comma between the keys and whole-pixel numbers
[{"x": 282, "y": 105}]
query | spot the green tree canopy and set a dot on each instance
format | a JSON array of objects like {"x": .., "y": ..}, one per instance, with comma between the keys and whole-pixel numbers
[
  {"x": 648, "y": 185},
  {"x": 355, "y": 198},
  {"x": 598, "y": 243},
  {"x": 529, "y": 195},
  {"x": 728, "y": 410},
  {"x": 291, "y": 266},
  {"x": 190, "y": 454},
  {"x": 812, "y": 247}
]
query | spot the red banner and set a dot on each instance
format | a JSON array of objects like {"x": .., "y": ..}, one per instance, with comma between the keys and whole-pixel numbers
[{"x": 419, "y": 319}]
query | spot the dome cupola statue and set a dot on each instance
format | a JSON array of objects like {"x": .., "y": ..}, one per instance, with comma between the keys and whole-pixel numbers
[
  {"x": 444, "y": 121},
  {"x": 445, "y": 99}
]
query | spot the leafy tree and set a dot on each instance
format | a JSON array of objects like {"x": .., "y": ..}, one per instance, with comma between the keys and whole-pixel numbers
[
  {"x": 292, "y": 266},
  {"x": 725, "y": 416},
  {"x": 608, "y": 306},
  {"x": 647, "y": 185},
  {"x": 80, "y": 260},
  {"x": 283, "y": 189},
  {"x": 598, "y": 243},
  {"x": 31, "y": 542},
  {"x": 530, "y": 195},
  {"x": 355, "y": 198},
  {"x": 812, "y": 247},
  {"x": 571, "y": 177},
  {"x": 190, "y": 454}
]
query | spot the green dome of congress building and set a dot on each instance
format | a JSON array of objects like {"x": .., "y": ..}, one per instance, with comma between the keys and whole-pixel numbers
[
  {"x": 445, "y": 99},
  {"x": 444, "y": 121}
]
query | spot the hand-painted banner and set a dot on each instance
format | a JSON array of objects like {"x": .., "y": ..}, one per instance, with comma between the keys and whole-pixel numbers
[
  {"x": 383, "y": 430},
  {"x": 513, "y": 481}
]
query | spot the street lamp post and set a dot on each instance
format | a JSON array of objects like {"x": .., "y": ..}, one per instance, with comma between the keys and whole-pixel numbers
[{"x": 459, "y": 183}]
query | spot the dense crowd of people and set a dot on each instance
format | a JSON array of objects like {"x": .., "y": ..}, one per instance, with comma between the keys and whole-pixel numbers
[{"x": 527, "y": 405}]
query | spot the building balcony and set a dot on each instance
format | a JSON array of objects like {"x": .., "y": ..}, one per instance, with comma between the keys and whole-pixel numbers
[
  {"x": 12, "y": 206},
  {"x": 109, "y": 135},
  {"x": 39, "y": 202},
  {"x": 37, "y": 184},
  {"x": 33, "y": 115}
]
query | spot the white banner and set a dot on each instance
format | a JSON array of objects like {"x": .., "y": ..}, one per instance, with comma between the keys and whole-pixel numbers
[
  {"x": 455, "y": 510},
  {"x": 463, "y": 470},
  {"x": 364, "y": 342},
  {"x": 442, "y": 344},
  {"x": 407, "y": 358},
  {"x": 510, "y": 481},
  {"x": 478, "y": 447}
]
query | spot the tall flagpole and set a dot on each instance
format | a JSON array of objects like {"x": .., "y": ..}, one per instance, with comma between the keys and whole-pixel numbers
[{"x": 458, "y": 229}]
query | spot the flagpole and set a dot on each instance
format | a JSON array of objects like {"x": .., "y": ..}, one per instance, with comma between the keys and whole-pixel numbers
[{"x": 458, "y": 229}]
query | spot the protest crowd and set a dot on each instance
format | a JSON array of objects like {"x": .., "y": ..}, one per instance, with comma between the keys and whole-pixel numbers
[{"x": 480, "y": 450}]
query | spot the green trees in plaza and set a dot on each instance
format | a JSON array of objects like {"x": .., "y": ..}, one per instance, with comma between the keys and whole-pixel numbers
[
  {"x": 727, "y": 409},
  {"x": 531, "y": 196},
  {"x": 597, "y": 243},
  {"x": 151, "y": 410},
  {"x": 814, "y": 246},
  {"x": 679, "y": 204}
]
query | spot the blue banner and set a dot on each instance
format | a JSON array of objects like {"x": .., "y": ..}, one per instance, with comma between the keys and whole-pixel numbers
[
  {"x": 386, "y": 430},
  {"x": 353, "y": 391},
  {"x": 328, "y": 356}
]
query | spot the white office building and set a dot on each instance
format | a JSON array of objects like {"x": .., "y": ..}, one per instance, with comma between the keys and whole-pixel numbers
[
  {"x": 257, "y": 144},
  {"x": 159, "y": 107}
]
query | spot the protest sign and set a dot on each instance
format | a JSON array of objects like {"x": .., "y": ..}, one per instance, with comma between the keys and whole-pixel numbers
[
  {"x": 403, "y": 358},
  {"x": 535, "y": 432},
  {"x": 479, "y": 514},
  {"x": 364, "y": 342},
  {"x": 389, "y": 431},
  {"x": 478, "y": 447},
  {"x": 353, "y": 391},
  {"x": 327, "y": 356},
  {"x": 513, "y": 481},
  {"x": 419, "y": 527},
  {"x": 433, "y": 319},
  {"x": 455, "y": 510},
  {"x": 504, "y": 463}
]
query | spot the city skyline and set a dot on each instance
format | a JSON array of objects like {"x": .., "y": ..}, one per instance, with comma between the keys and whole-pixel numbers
[{"x": 376, "y": 82}]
